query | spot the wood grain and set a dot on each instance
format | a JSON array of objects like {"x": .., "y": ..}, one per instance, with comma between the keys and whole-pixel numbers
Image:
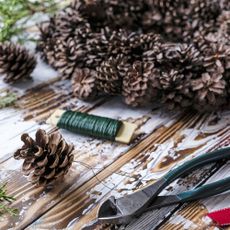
[
  {"x": 39, "y": 201},
  {"x": 163, "y": 139},
  {"x": 73, "y": 206}
]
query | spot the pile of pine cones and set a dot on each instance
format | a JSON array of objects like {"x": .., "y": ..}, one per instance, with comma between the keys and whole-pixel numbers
[{"x": 176, "y": 52}]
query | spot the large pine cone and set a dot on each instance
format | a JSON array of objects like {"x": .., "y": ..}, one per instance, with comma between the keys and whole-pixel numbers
[
  {"x": 85, "y": 83},
  {"x": 16, "y": 62},
  {"x": 136, "y": 84},
  {"x": 46, "y": 158}
]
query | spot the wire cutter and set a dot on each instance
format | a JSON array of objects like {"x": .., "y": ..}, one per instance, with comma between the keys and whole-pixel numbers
[{"x": 124, "y": 209}]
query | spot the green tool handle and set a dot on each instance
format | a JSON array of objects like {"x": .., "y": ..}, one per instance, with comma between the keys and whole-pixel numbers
[
  {"x": 205, "y": 191},
  {"x": 196, "y": 163}
]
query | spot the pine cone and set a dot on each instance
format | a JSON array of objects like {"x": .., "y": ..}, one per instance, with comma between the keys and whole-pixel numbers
[
  {"x": 94, "y": 11},
  {"x": 96, "y": 51},
  {"x": 175, "y": 89},
  {"x": 68, "y": 54},
  {"x": 224, "y": 22},
  {"x": 16, "y": 62},
  {"x": 217, "y": 58},
  {"x": 69, "y": 23},
  {"x": 126, "y": 14},
  {"x": 205, "y": 10},
  {"x": 46, "y": 43},
  {"x": 168, "y": 17},
  {"x": 136, "y": 84},
  {"x": 211, "y": 90},
  {"x": 110, "y": 74},
  {"x": 84, "y": 83},
  {"x": 115, "y": 41},
  {"x": 141, "y": 43},
  {"x": 46, "y": 158},
  {"x": 182, "y": 55}
]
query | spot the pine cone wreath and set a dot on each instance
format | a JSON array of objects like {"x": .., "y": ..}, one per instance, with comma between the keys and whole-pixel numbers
[
  {"x": 16, "y": 63},
  {"x": 110, "y": 74},
  {"x": 84, "y": 84},
  {"x": 46, "y": 158},
  {"x": 136, "y": 84}
]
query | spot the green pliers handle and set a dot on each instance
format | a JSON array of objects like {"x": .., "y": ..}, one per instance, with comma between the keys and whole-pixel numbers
[
  {"x": 198, "y": 162},
  {"x": 207, "y": 190},
  {"x": 202, "y": 192}
]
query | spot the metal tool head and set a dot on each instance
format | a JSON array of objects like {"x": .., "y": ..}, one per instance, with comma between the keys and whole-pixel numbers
[
  {"x": 109, "y": 212},
  {"x": 124, "y": 209}
]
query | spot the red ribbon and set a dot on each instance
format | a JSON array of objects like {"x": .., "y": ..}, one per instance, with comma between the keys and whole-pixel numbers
[{"x": 221, "y": 217}]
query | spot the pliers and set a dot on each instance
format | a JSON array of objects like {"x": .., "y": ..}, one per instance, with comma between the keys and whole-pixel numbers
[{"x": 124, "y": 209}]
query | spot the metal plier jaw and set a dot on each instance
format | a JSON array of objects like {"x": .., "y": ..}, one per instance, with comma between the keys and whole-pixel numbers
[{"x": 124, "y": 209}]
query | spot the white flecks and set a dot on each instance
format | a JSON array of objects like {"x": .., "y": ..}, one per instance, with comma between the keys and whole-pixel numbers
[
  {"x": 85, "y": 211},
  {"x": 72, "y": 223},
  {"x": 206, "y": 220},
  {"x": 43, "y": 72},
  {"x": 186, "y": 224}
]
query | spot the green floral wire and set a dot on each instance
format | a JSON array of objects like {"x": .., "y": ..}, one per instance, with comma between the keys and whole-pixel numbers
[{"x": 91, "y": 125}]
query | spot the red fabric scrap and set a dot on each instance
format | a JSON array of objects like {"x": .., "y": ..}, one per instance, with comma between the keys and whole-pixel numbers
[{"x": 221, "y": 217}]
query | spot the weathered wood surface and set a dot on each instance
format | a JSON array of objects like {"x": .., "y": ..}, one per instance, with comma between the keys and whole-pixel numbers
[{"x": 162, "y": 141}]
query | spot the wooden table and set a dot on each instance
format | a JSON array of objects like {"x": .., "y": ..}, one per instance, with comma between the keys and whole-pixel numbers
[{"x": 163, "y": 139}]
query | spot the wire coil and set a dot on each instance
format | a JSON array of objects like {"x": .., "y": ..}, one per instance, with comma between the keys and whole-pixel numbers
[{"x": 85, "y": 124}]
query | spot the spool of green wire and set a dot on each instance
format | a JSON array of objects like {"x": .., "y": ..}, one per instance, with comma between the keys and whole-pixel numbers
[{"x": 86, "y": 124}]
